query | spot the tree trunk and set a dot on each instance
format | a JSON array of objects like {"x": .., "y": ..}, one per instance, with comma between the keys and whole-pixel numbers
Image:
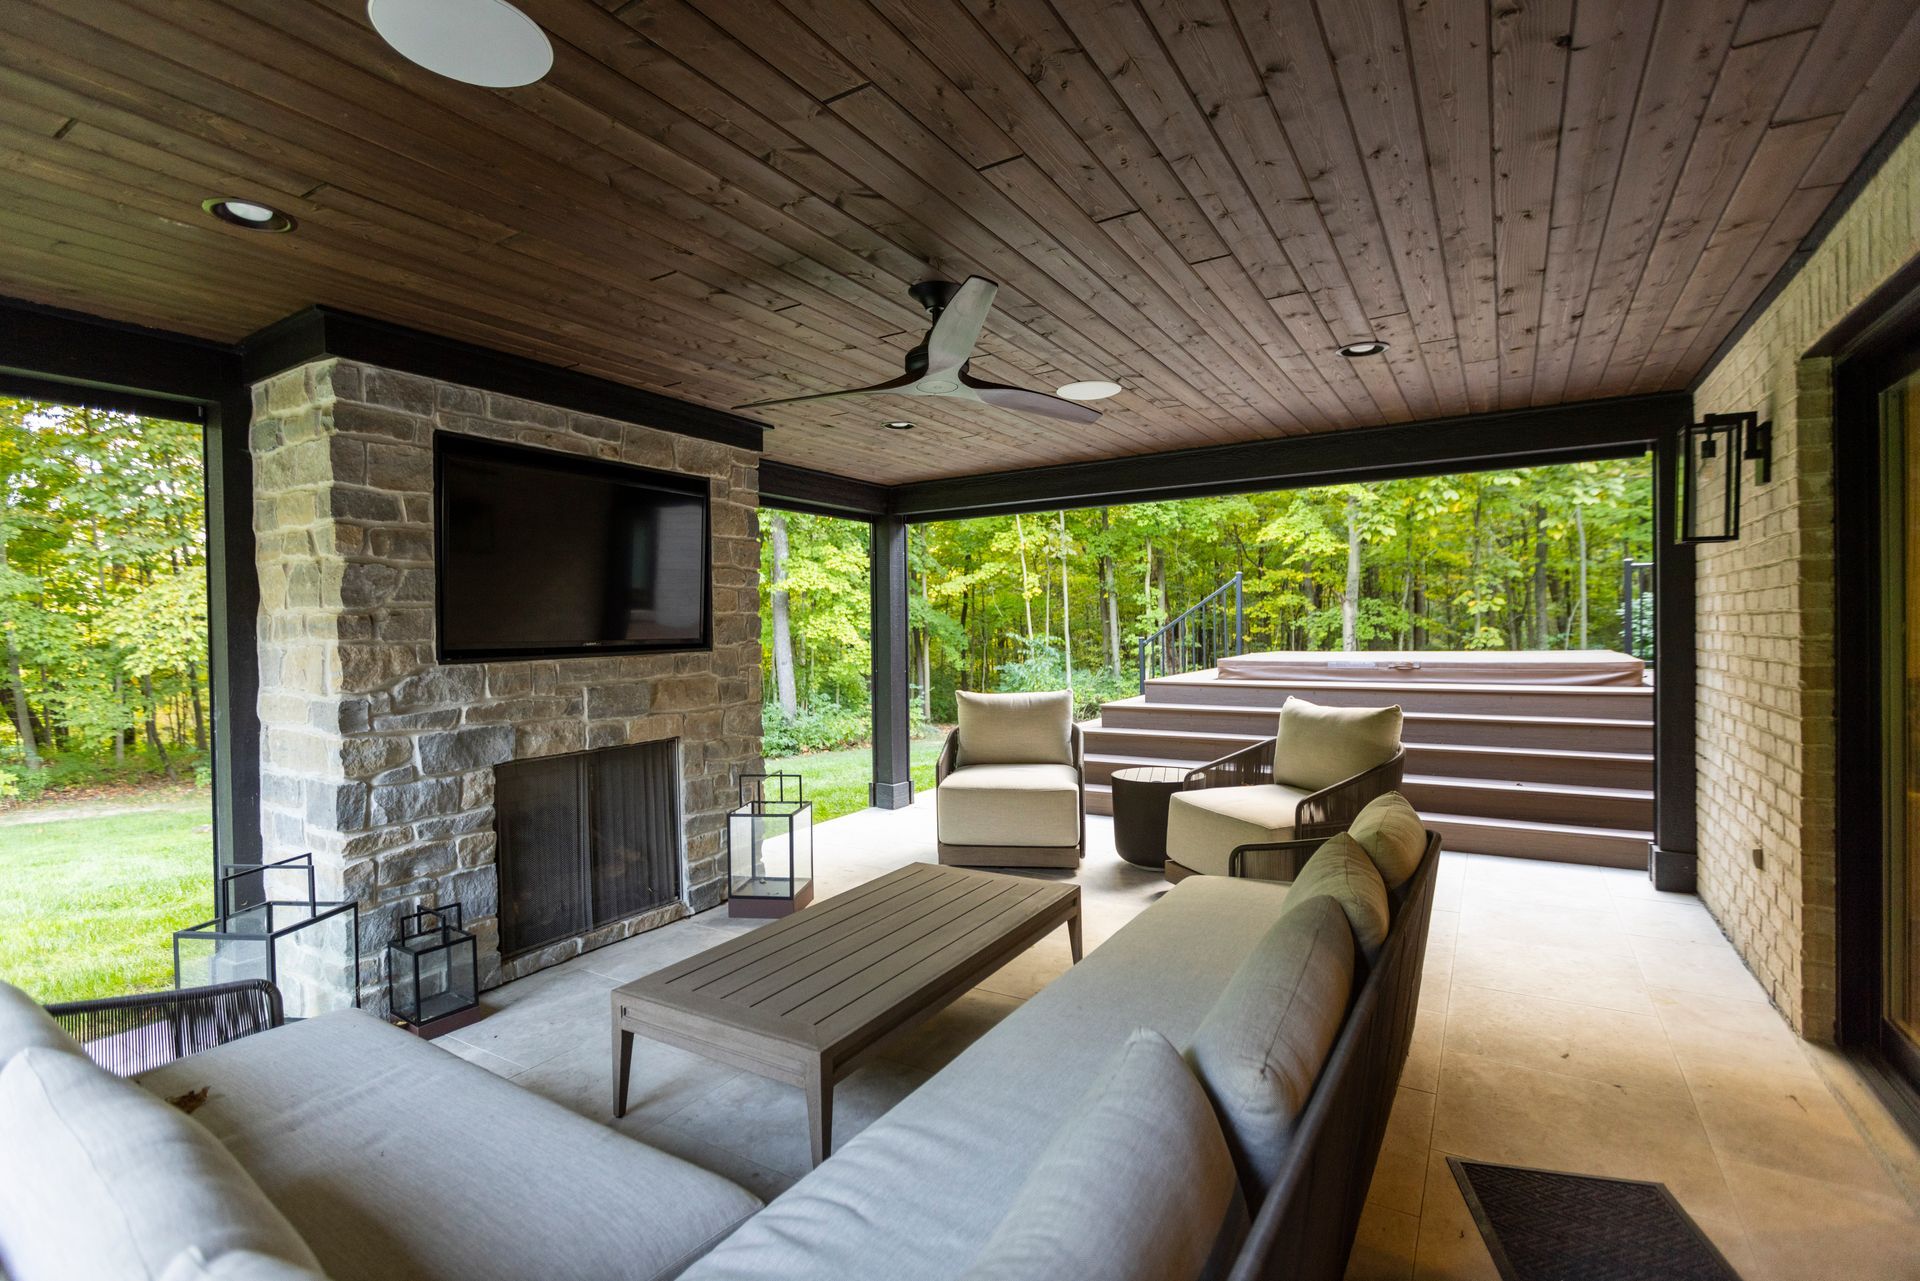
[
  {"x": 1026, "y": 588},
  {"x": 782, "y": 622},
  {"x": 22, "y": 715},
  {"x": 1066, "y": 621},
  {"x": 926, "y": 658},
  {"x": 1580, "y": 531},
  {"x": 1541, "y": 623},
  {"x": 199, "y": 717},
  {"x": 119, "y": 735},
  {"x": 148, "y": 705},
  {"x": 1350, "y": 599}
]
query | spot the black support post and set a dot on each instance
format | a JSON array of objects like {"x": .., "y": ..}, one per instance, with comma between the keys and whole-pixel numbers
[
  {"x": 233, "y": 606},
  {"x": 892, "y": 786},
  {"x": 1672, "y": 859}
]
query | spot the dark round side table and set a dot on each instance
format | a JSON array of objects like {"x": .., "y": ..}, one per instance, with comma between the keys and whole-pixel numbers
[{"x": 1140, "y": 797}]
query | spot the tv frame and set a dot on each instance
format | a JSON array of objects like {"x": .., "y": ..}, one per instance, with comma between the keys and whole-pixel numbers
[{"x": 475, "y": 447}]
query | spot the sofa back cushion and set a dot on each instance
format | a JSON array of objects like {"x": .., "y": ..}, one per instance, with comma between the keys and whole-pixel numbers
[
  {"x": 1319, "y": 746},
  {"x": 1136, "y": 1184},
  {"x": 192, "y": 1264},
  {"x": 23, "y": 1023},
  {"x": 1016, "y": 729},
  {"x": 1391, "y": 833},
  {"x": 1261, "y": 1046},
  {"x": 98, "y": 1178},
  {"x": 1340, "y": 870}
]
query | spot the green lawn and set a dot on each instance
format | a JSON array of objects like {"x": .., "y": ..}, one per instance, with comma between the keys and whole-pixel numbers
[
  {"x": 836, "y": 782},
  {"x": 88, "y": 905}
]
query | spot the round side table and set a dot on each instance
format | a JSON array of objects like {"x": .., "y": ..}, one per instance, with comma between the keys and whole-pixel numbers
[{"x": 1140, "y": 797}]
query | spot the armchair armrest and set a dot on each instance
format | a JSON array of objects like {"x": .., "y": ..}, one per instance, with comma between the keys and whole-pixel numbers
[
  {"x": 1273, "y": 860},
  {"x": 1236, "y": 769},
  {"x": 949, "y": 758},
  {"x": 1331, "y": 809},
  {"x": 137, "y": 1033}
]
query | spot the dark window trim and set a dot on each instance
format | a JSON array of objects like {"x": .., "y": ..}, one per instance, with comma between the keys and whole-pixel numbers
[{"x": 820, "y": 493}]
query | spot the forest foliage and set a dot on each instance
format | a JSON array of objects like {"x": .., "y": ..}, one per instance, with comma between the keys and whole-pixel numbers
[
  {"x": 1521, "y": 559},
  {"x": 103, "y": 600}
]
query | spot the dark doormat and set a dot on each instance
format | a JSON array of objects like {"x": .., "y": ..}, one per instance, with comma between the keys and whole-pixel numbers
[{"x": 1542, "y": 1225}]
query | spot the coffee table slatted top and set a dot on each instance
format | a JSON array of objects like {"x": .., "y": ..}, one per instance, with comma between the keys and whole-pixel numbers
[{"x": 817, "y": 979}]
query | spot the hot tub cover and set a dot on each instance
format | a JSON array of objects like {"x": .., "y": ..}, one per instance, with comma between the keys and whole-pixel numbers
[{"x": 1475, "y": 667}]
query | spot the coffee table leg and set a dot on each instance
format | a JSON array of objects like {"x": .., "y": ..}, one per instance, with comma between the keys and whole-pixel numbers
[
  {"x": 622, "y": 1069},
  {"x": 820, "y": 1112},
  {"x": 1073, "y": 934}
]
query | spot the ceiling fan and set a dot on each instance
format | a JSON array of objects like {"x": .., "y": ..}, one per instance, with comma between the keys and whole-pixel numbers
[{"x": 938, "y": 366}]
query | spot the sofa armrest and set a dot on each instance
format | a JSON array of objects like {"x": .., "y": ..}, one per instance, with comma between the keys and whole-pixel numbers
[
  {"x": 1330, "y": 809},
  {"x": 1247, "y": 766},
  {"x": 130, "y": 1034},
  {"x": 1271, "y": 860},
  {"x": 949, "y": 758}
]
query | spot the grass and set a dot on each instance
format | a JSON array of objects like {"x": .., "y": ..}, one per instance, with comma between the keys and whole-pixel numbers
[
  {"x": 87, "y": 904},
  {"x": 836, "y": 782}
]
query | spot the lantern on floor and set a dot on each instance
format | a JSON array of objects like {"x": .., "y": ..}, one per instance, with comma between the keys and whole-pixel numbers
[
  {"x": 433, "y": 975},
  {"x": 770, "y": 847},
  {"x": 273, "y": 925}
]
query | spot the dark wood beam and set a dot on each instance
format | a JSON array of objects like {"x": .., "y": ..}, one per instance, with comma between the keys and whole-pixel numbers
[{"x": 820, "y": 493}]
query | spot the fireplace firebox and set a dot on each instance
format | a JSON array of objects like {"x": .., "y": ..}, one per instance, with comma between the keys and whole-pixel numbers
[{"x": 585, "y": 840}]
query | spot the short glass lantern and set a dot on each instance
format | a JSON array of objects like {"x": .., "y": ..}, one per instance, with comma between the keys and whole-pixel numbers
[
  {"x": 770, "y": 847},
  {"x": 433, "y": 973}
]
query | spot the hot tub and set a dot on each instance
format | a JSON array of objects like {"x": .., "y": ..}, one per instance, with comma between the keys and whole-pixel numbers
[{"x": 1463, "y": 667}]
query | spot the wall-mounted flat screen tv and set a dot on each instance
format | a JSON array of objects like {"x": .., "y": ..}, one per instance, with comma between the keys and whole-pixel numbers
[{"x": 542, "y": 554}]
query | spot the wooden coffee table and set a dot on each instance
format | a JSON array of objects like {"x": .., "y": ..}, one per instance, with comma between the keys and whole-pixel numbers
[{"x": 806, "y": 999}]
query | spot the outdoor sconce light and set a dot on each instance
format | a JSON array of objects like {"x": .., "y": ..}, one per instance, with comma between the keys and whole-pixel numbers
[
  {"x": 770, "y": 847},
  {"x": 1713, "y": 450}
]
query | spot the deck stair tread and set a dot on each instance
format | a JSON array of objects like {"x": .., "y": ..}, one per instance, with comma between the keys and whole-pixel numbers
[{"x": 1519, "y": 785}]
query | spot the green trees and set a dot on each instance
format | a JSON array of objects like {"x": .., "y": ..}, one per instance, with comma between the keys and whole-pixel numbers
[
  {"x": 102, "y": 588},
  {"x": 1488, "y": 560}
]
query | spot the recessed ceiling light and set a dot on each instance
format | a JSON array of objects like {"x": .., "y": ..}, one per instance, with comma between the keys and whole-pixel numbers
[
  {"x": 1093, "y": 389},
  {"x": 250, "y": 214},
  {"x": 1366, "y": 347},
  {"x": 900, "y": 426},
  {"x": 478, "y": 42}
]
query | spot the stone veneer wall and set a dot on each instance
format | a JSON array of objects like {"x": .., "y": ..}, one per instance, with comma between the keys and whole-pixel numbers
[
  {"x": 378, "y": 759},
  {"x": 1765, "y": 616}
]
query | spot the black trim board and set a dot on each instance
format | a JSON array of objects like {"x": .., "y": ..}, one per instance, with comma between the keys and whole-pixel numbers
[
  {"x": 820, "y": 493},
  {"x": 321, "y": 332},
  {"x": 50, "y": 347}
]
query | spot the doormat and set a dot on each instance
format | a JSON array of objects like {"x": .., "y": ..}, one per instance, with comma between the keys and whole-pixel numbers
[{"x": 1543, "y": 1225}]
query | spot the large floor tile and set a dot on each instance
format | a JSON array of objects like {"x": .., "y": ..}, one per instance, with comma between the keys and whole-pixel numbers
[
  {"x": 1786, "y": 1122},
  {"x": 1033, "y": 969},
  {"x": 1592, "y": 927},
  {"x": 642, "y": 954},
  {"x": 1450, "y": 1246},
  {"x": 1400, "y": 1175},
  {"x": 1384, "y": 1247},
  {"x": 1710, "y": 969},
  {"x": 1587, "y": 1041},
  {"x": 1705, "y": 1030},
  {"x": 1563, "y": 973},
  {"x": 664, "y": 1079},
  {"x": 567, "y": 1011},
  {"x": 1422, "y": 1070},
  {"x": 1800, "y": 1228},
  {"x": 1533, "y": 881},
  {"x": 939, "y": 1040},
  {"x": 1683, "y": 922}
]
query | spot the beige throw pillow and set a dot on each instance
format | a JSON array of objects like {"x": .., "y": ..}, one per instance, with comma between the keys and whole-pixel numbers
[
  {"x": 23, "y": 1023},
  {"x": 1260, "y": 1048},
  {"x": 1340, "y": 870},
  {"x": 1319, "y": 746},
  {"x": 1016, "y": 729},
  {"x": 1391, "y": 833}
]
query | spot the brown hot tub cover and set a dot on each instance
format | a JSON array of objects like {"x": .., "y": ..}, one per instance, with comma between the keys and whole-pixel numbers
[{"x": 1475, "y": 667}]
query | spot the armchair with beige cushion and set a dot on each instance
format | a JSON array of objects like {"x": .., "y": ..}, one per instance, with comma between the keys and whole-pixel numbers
[
  {"x": 1010, "y": 790},
  {"x": 1263, "y": 804}
]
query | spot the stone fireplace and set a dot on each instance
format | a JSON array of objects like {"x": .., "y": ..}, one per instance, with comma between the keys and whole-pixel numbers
[{"x": 380, "y": 760}]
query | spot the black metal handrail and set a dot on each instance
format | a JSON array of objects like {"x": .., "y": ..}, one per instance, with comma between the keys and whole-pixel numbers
[
  {"x": 1636, "y": 581},
  {"x": 1198, "y": 638}
]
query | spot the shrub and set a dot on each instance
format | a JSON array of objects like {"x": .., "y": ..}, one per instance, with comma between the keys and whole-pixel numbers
[
  {"x": 821, "y": 727},
  {"x": 1044, "y": 668}
]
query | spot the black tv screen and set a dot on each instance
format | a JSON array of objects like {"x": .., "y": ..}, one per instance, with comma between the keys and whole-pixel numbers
[{"x": 542, "y": 554}]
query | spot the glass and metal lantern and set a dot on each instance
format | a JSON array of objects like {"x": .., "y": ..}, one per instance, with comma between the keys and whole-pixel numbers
[
  {"x": 272, "y": 925},
  {"x": 770, "y": 847},
  {"x": 433, "y": 972}
]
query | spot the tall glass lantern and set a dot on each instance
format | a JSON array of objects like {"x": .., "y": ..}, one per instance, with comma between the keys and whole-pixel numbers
[{"x": 770, "y": 847}]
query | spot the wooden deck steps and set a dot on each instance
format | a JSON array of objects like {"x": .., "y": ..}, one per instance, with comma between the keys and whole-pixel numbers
[{"x": 1540, "y": 771}]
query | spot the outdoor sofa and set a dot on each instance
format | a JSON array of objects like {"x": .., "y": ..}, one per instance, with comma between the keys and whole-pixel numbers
[{"x": 1072, "y": 1140}]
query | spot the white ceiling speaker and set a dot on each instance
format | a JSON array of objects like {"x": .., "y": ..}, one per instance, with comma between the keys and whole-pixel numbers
[{"x": 478, "y": 42}]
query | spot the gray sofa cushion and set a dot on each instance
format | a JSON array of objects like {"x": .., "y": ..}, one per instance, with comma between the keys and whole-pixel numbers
[
  {"x": 235, "y": 1265},
  {"x": 1261, "y": 1046},
  {"x": 24, "y": 1023},
  {"x": 1319, "y": 746},
  {"x": 1015, "y": 729},
  {"x": 396, "y": 1159},
  {"x": 1391, "y": 833},
  {"x": 917, "y": 1193},
  {"x": 1205, "y": 825},
  {"x": 98, "y": 1178},
  {"x": 1036, "y": 805},
  {"x": 1341, "y": 870},
  {"x": 1134, "y": 1186}
]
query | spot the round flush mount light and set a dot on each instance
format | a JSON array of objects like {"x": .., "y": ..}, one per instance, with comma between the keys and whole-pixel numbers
[
  {"x": 1093, "y": 389},
  {"x": 478, "y": 42},
  {"x": 1365, "y": 347},
  {"x": 250, "y": 214},
  {"x": 900, "y": 426}
]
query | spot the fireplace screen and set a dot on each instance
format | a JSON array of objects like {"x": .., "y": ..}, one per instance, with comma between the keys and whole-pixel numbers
[{"x": 585, "y": 840}]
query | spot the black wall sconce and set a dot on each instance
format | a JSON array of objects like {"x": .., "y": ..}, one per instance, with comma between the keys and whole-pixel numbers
[{"x": 1714, "y": 449}]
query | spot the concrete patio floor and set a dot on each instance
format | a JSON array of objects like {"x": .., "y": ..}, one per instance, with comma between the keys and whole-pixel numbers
[{"x": 1571, "y": 1018}]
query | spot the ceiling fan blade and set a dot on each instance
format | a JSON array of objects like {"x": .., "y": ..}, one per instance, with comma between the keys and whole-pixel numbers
[
  {"x": 1021, "y": 400},
  {"x": 893, "y": 384},
  {"x": 958, "y": 329}
]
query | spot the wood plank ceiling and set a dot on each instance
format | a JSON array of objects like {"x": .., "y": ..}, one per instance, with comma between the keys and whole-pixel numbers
[{"x": 1532, "y": 202}]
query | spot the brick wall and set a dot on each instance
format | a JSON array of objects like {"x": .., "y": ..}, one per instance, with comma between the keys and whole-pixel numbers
[
  {"x": 1765, "y": 616},
  {"x": 378, "y": 759}
]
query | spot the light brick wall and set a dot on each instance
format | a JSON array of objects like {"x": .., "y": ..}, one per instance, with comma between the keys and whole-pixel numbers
[
  {"x": 378, "y": 759},
  {"x": 1765, "y": 616}
]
